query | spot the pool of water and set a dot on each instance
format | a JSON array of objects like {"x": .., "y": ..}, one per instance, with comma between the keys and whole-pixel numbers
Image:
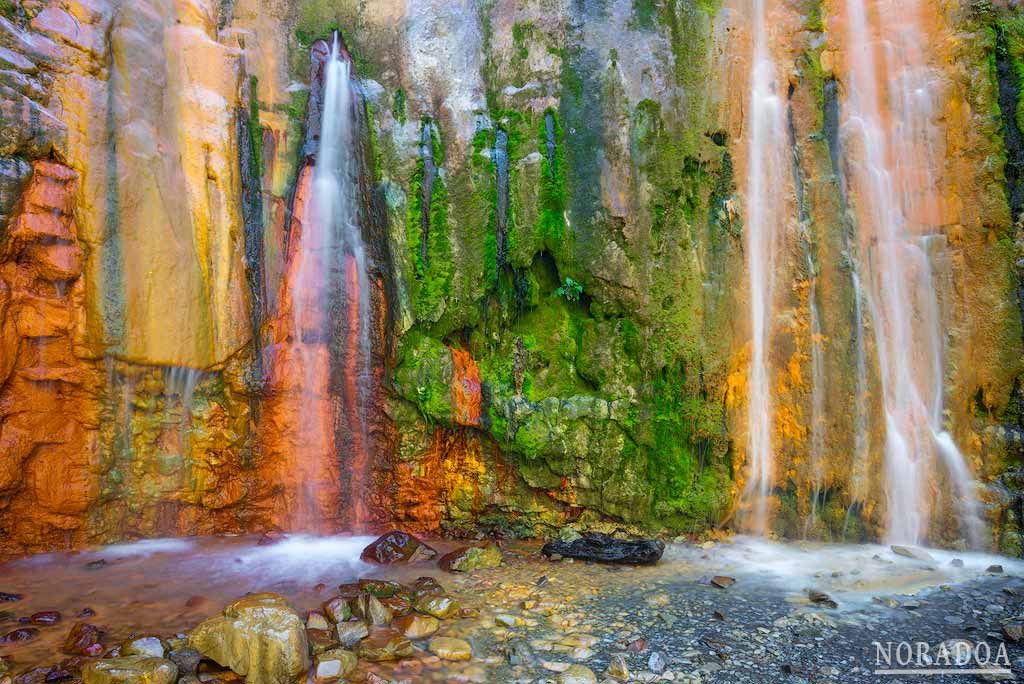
[{"x": 168, "y": 586}]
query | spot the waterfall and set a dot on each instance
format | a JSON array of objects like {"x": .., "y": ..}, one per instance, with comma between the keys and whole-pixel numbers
[
  {"x": 893, "y": 186},
  {"x": 332, "y": 265},
  {"x": 502, "y": 202},
  {"x": 765, "y": 210},
  {"x": 818, "y": 417},
  {"x": 859, "y": 481}
]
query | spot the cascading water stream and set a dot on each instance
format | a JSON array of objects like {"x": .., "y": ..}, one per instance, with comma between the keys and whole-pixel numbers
[
  {"x": 818, "y": 417},
  {"x": 766, "y": 173},
  {"x": 892, "y": 179},
  {"x": 860, "y": 477},
  {"x": 332, "y": 262}
]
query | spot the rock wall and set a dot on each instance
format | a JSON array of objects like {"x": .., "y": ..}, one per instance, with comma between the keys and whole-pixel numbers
[{"x": 560, "y": 240}]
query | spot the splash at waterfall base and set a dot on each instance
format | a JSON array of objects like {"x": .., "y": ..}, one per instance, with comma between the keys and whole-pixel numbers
[{"x": 791, "y": 613}]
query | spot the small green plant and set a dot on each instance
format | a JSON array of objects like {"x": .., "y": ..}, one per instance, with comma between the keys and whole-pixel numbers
[{"x": 570, "y": 290}]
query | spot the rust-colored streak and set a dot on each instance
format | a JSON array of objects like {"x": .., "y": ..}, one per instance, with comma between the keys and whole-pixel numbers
[
  {"x": 299, "y": 472},
  {"x": 465, "y": 388},
  {"x": 355, "y": 363},
  {"x": 49, "y": 397}
]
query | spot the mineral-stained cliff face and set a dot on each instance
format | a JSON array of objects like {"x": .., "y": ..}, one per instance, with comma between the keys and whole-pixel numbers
[{"x": 558, "y": 199}]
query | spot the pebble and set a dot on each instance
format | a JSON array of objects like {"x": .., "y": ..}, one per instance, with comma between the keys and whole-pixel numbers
[
  {"x": 447, "y": 648},
  {"x": 577, "y": 674}
]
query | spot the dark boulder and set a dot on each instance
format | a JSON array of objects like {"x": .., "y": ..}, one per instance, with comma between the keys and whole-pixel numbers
[
  {"x": 397, "y": 547},
  {"x": 602, "y": 548}
]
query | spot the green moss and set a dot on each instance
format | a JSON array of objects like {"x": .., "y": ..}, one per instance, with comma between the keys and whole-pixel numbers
[
  {"x": 1013, "y": 29},
  {"x": 296, "y": 107},
  {"x": 398, "y": 106},
  {"x": 255, "y": 128},
  {"x": 813, "y": 20},
  {"x": 424, "y": 375},
  {"x": 551, "y": 224},
  {"x": 8, "y": 9},
  {"x": 645, "y": 13},
  {"x": 485, "y": 186},
  {"x": 691, "y": 487},
  {"x": 433, "y": 276},
  {"x": 522, "y": 36}
]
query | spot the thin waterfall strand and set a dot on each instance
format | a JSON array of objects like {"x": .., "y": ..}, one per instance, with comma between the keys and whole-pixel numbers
[
  {"x": 332, "y": 252},
  {"x": 765, "y": 215}
]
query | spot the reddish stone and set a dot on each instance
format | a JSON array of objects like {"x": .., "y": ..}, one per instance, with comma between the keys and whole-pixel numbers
[
  {"x": 20, "y": 636},
  {"x": 84, "y": 639},
  {"x": 465, "y": 388},
  {"x": 47, "y": 479},
  {"x": 48, "y": 617},
  {"x": 396, "y": 547}
]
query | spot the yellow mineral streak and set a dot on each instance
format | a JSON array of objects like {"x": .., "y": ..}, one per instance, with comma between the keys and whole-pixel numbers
[{"x": 159, "y": 200}]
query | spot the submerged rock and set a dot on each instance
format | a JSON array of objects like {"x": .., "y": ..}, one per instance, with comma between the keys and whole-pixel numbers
[
  {"x": 912, "y": 552},
  {"x": 20, "y": 636},
  {"x": 397, "y": 547},
  {"x": 447, "y": 648},
  {"x": 418, "y": 626},
  {"x": 722, "y": 582},
  {"x": 578, "y": 674},
  {"x": 441, "y": 607},
  {"x": 46, "y": 618},
  {"x": 130, "y": 670},
  {"x": 471, "y": 558},
  {"x": 603, "y": 548},
  {"x": 84, "y": 639},
  {"x": 384, "y": 645},
  {"x": 259, "y": 636}
]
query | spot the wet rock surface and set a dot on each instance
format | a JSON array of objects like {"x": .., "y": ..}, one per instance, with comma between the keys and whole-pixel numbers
[
  {"x": 260, "y": 637},
  {"x": 603, "y": 548},
  {"x": 397, "y": 547}
]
